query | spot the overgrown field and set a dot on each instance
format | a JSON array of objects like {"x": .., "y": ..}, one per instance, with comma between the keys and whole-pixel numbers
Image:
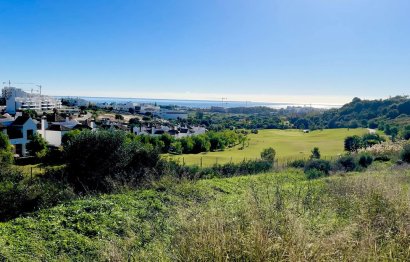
[
  {"x": 275, "y": 216},
  {"x": 289, "y": 144}
]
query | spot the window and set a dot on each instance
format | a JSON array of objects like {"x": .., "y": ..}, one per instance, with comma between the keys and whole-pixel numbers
[{"x": 30, "y": 134}]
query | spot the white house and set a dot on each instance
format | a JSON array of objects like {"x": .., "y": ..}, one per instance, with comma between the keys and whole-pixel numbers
[
  {"x": 53, "y": 132},
  {"x": 19, "y": 132}
]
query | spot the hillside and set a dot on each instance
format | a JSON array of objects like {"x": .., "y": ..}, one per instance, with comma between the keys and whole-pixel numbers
[
  {"x": 361, "y": 113},
  {"x": 276, "y": 216}
]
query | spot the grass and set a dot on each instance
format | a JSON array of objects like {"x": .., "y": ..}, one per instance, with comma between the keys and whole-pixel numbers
[
  {"x": 275, "y": 216},
  {"x": 35, "y": 169},
  {"x": 289, "y": 144}
]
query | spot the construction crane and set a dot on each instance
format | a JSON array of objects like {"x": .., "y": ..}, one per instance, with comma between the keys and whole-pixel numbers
[{"x": 23, "y": 83}]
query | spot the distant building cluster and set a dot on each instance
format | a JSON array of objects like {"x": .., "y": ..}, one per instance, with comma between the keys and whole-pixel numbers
[
  {"x": 175, "y": 131},
  {"x": 20, "y": 128},
  {"x": 50, "y": 124},
  {"x": 153, "y": 110}
]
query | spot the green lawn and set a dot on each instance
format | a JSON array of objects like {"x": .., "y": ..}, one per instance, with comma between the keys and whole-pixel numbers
[{"x": 289, "y": 144}]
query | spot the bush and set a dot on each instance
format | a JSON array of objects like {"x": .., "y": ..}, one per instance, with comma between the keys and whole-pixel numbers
[
  {"x": 352, "y": 143},
  {"x": 315, "y": 153},
  {"x": 406, "y": 134},
  {"x": 346, "y": 163},
  {"x": 6, "y": 154},
  {"x": 365, "y": 160},
  {"x": 300, "y": 163},
  {"x": 268, "y": 154},
  {"x": 314, "y": 173},
  {"x": 226, "y": 170},
  {"x": 19, "y": 195},
  {"x": 6, "y": 157},
  {"x": 382, "y": 158},
  {"x": 405, "y": 153},
  {"x": 100, "y": 161},
  {"x": 318, "y": 164},
  {"x": 37, "y": 146}
]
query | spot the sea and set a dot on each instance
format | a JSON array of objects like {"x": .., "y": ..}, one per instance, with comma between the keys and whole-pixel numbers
[{"x": 202, "y": 104}]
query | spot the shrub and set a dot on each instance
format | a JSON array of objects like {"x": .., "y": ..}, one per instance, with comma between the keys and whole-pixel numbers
[
  {"x": 365, "y": 160},
  {"x": 226, "y": 170},
  {"x": 268, "y": 154},
  {"x": 176, "y": 147},
  {"x": 300, "y": 163},
  {"x": 405, "y": 153},
  {"x": 406, "y": 134},
  {"x": 346, "y": 163},
  {"x": 19, "y": 195},
  {"x": 315, "y": 153},
  {"x": 314, "y": 173},
  {"x": 99, "y": 161},
  {"x": 318, "y": 164},
  {"x": 382, "y": 158},
  {"x": 37, "y": 146},
  {"x": 385, "y": 151},
  {"x": 6, "y": 154},
  {"x": 68, "y": 137},
  {"x": 6, "y": 157},
  {"x": 352, "y": 143}
]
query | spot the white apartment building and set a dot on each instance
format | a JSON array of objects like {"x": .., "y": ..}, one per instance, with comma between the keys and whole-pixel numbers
[
  {"x": 173, "y": 114},
  {"x": 17, "y": 99}
]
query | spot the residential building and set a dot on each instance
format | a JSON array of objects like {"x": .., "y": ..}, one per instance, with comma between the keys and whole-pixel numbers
[
  {"x": 53, "y": 132},
  {"x": 173, "y": 114},
  {"x": 19, "y": 131},
  {"x": 175, "y": 131},
  {"x": 17, "y": 100},
  {"x": 147, "y": 108}
]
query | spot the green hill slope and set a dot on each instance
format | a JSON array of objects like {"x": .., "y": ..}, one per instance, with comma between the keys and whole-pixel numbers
[{"x": 277, "y": 216}]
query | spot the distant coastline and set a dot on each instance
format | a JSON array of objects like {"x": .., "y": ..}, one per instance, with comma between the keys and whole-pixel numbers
[{"x": 203, "y": 104}]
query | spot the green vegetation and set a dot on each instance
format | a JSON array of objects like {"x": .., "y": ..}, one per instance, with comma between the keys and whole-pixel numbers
[
  {"x": 37, "y": 146},
  {"x": 392, "y": 112},
  {"x": 6, "y": 155},
  {"x": 268, "y": 154},
  {"x": 209, "y": 141},
  {"x": 289, "y": 144},
  {"x": 160, "y": 210},
  {"x": 101, "y": 161},
  {"x": 405, "y": 154},
  {"x": 276, "y": 216},
  {"x": 389, "y": 115},
  {"x": 354, "y": 143}
]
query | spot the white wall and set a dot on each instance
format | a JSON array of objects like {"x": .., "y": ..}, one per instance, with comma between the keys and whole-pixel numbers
[
  {"x": 52, "y": 137},
  {"x": 29, "y": 125}
]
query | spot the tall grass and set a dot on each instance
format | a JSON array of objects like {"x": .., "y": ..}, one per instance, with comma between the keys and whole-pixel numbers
[{"x": 363, "y": 217}]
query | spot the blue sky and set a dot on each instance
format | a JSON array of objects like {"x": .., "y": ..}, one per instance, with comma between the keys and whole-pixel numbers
[{"x": 310, "y": 51}]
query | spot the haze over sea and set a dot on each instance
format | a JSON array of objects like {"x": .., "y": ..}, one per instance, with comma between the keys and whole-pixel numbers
[{"x": 203, "y": 104}]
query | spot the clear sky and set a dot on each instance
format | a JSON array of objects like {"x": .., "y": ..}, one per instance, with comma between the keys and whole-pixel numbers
[{"x": 310, "y": 51}]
